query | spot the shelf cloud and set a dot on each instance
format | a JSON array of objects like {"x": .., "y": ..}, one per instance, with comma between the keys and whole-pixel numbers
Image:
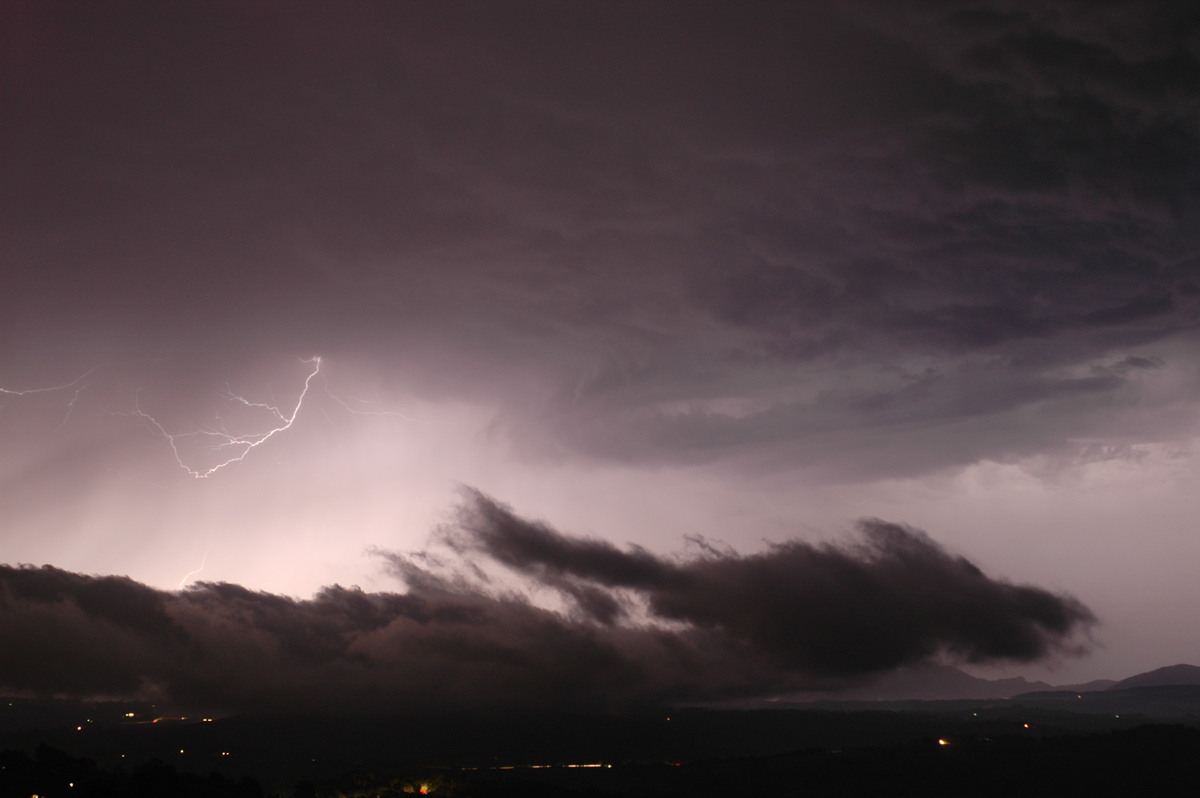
[{"x": 634, "y": 627}]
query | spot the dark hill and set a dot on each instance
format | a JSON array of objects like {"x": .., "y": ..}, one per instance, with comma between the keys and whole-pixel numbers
[
  {"x": 1170, "y": 676},
  {"x": 925, "y": 683}
]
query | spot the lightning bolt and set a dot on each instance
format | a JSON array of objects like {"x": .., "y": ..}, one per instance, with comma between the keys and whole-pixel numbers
[
  {"x": 241, "y": 445},
  {"x": 192, "y": 573},
  {"x": 50, "y": 389},
  {"x": 232, "y": 447},
  {"x": 78, "y": 384},
  {"x": 383, "y": 413}
]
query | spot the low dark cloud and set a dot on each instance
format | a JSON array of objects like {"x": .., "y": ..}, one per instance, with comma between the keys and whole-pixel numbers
[
  {"x": 893, "y": 598},
  {"x": 638, "y": 628}
]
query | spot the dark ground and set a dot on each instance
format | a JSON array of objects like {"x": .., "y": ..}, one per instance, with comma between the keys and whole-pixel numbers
[{"x": 999, "y": 748}]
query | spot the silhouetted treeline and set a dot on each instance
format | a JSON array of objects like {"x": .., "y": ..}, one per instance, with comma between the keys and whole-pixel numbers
[{"x": 52, "y": 773}]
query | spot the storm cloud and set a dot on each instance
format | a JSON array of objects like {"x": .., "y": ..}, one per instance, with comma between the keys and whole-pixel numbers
[
  {"x": 893, "y": 597},
  {"x": 638, "y": 628},
  {"x": 756, "y": 268},
  {"x": 667, "y": 224}
]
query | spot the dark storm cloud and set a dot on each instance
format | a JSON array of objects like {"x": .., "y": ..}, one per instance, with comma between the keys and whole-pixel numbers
[
  {"x": 717, "y": 625},
  {"x": 80, "y": 635},
  {"x": 590, "y": 215},
  {"x": 888, "y": 421},
  {"x": 893, "y": 599},
  {"x": 1047, "y": 189},
  {"x": 1024, "y": 216}
]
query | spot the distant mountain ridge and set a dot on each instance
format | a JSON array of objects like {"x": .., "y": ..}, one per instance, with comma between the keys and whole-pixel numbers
[
  {"x": 947, "y": 683},
  {"x": 942, "y": 682},
  {"x": 1170, "y": 676},
  {"x": 925, "y": 683}
]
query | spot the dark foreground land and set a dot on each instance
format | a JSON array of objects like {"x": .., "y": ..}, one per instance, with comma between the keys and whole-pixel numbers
[{"x": 937, "y": 748}]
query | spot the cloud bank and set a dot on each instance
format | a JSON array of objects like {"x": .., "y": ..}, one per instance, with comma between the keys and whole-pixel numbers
[{"x": 636, "y": 628}]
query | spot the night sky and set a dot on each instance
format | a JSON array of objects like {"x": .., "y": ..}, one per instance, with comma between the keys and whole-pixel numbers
[{"x": 600, "y": 352}]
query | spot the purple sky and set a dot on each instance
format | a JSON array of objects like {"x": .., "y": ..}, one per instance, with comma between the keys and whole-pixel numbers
[{"x": 652, "y": 273}]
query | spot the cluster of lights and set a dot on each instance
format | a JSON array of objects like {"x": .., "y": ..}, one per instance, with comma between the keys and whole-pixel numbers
[{"x": 942, "y": 741}]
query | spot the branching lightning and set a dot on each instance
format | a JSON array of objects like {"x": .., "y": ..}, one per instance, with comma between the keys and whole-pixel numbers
[
  {"x": 157, "y": 411},
  {"x": 50, "y": 389},
  {"x": 383, "y": 413},
  {"x": 78, "y": 384},
  {"x": 241, "y": 445},
  {"x": 230, "y": 444}
]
